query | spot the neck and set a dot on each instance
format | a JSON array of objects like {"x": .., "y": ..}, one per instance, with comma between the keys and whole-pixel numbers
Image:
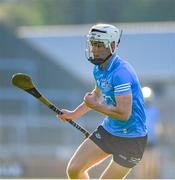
[{"x": 103, "y": 66}]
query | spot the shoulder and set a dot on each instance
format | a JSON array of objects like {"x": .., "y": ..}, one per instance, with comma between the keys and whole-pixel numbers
[
  {"x": 125, "y": 69},
  {"x": 123, "y": 74},
  {"x": 122, "y": 70}
]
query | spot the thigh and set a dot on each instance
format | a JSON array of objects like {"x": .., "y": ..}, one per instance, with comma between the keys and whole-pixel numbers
[
  {"x": 115, "y": 171},
  {"x": 87, "y": 155}
]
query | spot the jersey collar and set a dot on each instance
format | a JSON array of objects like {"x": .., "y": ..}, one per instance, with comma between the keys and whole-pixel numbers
[{"x": 110, "y": 63}]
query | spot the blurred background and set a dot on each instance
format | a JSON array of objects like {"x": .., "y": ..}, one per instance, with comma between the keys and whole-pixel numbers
[{"x": 46, "y": 39}]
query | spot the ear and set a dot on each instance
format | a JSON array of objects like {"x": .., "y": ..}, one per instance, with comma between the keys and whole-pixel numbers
[{"x": 113, "y": 46}]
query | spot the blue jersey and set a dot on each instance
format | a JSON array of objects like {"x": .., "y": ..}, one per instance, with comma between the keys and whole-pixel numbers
[{"x": 117, "y": 79}]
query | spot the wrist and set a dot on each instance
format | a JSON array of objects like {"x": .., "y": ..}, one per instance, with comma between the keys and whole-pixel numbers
[
  {"x": 75, "y": 114},
  {"x": 95, "y": 106}
]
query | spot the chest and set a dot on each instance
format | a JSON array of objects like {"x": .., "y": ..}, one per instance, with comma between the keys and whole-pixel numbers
[{"x": 105, "y": 82}]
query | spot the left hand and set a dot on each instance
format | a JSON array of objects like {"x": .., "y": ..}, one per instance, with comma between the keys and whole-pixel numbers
[{"x": 90, "y": 100}]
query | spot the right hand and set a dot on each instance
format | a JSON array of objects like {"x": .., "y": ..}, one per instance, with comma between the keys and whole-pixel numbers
[{"x": 67, "y": 115}]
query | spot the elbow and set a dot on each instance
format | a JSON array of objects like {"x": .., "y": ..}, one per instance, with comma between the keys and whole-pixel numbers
[
  {"x": 125, "y": 116},
  {"x": 122, "y": 117}
]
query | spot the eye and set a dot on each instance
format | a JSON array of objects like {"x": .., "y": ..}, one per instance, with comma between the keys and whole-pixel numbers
[
  {"x": 94, "y": 43},
  {"x": 97, "y": 44},
  {"x": 101, "y": 44}
]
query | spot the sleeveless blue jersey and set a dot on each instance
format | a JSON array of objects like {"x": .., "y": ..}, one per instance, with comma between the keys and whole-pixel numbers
[{"x": 117, "y": 79}]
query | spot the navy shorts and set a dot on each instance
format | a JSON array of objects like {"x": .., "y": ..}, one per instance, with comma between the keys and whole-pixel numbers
[{"x": 127, "y": 152}]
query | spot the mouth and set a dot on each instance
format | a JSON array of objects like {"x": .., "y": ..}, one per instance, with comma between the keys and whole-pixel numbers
[{"x": 96, "y": 56}]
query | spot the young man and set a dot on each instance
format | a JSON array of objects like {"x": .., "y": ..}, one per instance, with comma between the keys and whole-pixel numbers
[{"x": 123, "y": 132}]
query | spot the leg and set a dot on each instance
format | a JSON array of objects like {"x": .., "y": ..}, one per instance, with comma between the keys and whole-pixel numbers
[
  {"x": 148, "y": 166},
  {"x": 86, "y": 156},
  {"x": 115, "y": 171}
]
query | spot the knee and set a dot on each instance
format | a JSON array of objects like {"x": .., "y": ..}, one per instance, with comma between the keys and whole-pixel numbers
[{"x": 73, "y": 171}]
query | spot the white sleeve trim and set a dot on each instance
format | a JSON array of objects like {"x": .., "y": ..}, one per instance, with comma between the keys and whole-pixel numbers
[{"x": 122, "y": 87}]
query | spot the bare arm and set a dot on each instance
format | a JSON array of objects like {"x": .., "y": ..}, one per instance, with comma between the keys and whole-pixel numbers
[
  {"x": 81, "y": 109},
  {"x": 121, "y": 111}
]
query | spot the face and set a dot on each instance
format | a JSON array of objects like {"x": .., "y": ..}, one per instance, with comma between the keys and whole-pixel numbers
[{"x": 99, "y": 50}]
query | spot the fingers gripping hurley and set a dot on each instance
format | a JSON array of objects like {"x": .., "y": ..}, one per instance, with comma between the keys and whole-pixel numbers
[{"x": 24, "y": 82}]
